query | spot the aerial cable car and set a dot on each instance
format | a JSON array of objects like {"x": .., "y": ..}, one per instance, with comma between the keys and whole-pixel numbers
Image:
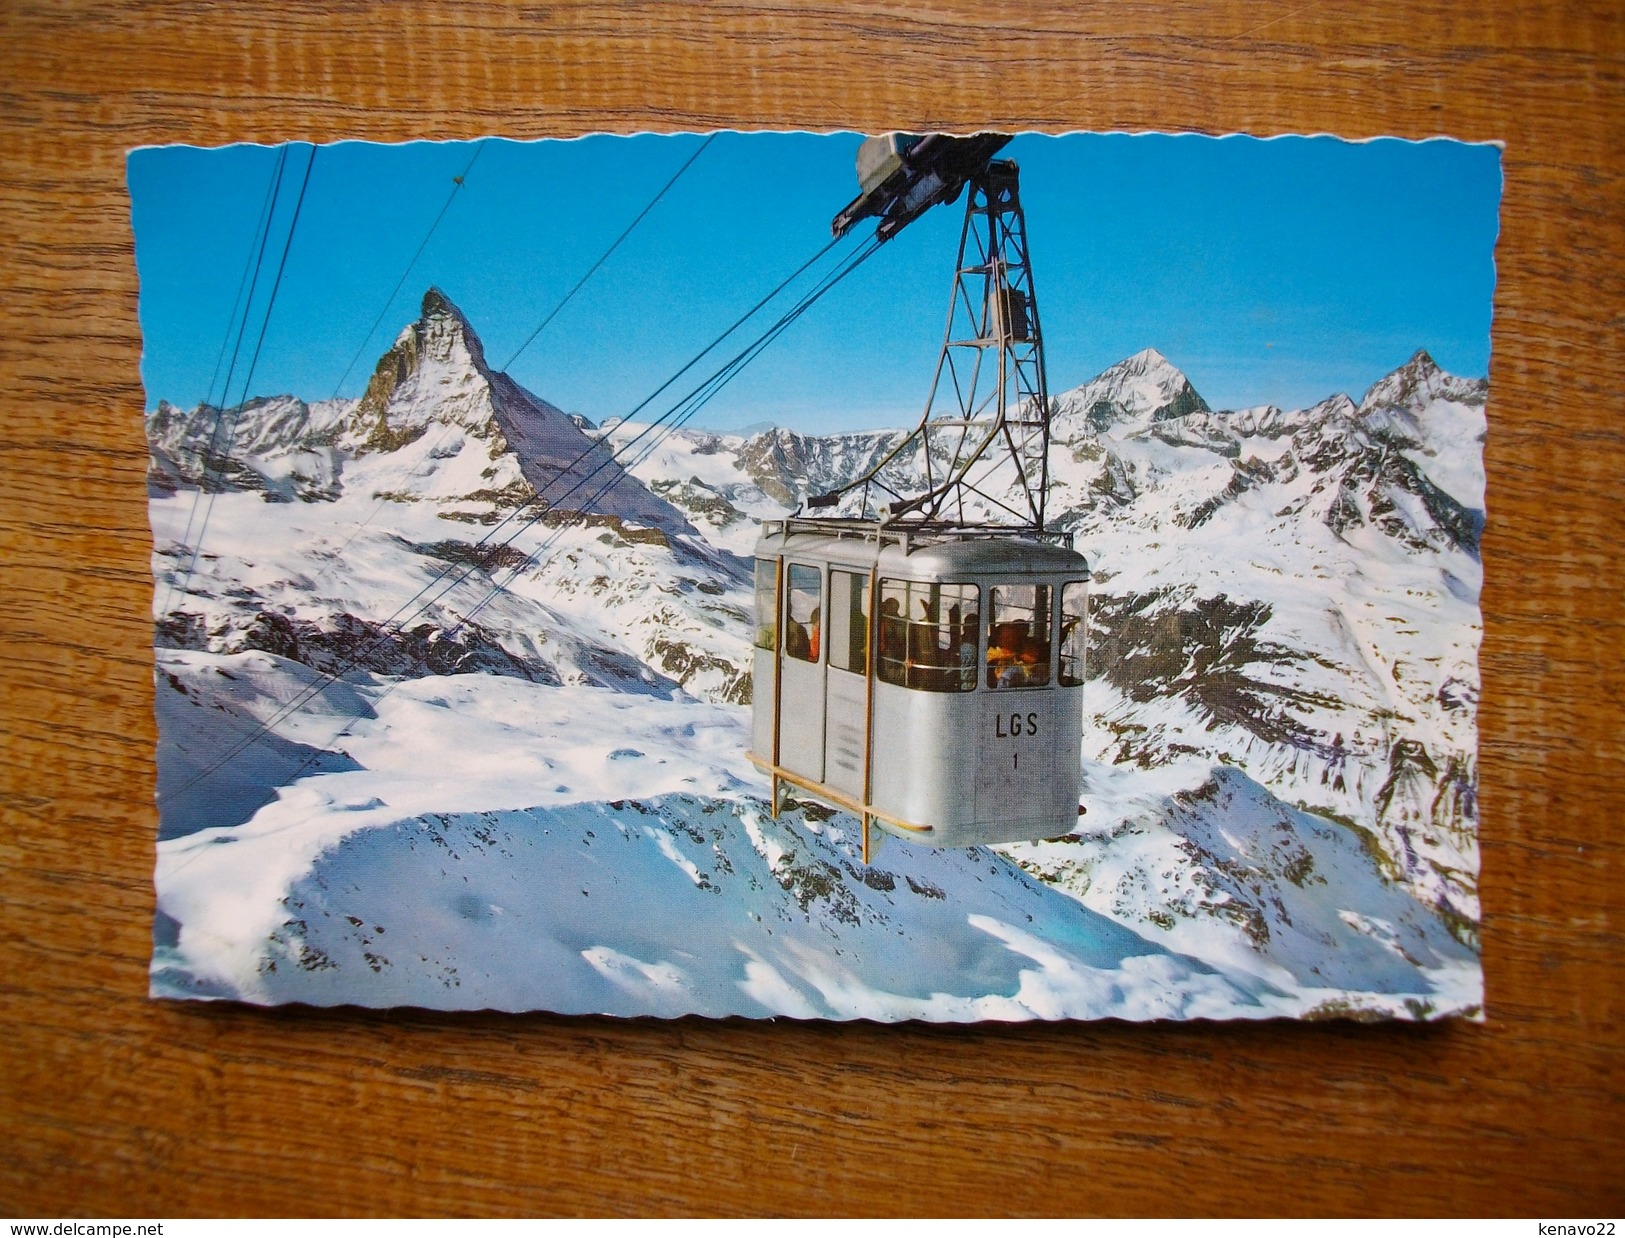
[{"x": 920, "y": 632}]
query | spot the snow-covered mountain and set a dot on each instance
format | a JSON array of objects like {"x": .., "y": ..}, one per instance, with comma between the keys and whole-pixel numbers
[
  {"x": 412, "y": 495},
  {"x": 1297, "y": 593},
  {"x": 1294, "y": 592},
  {"x": 1133, "y": 394},
  {"x": 435, "y": 422},
  {"x": 423, "y": 770},
  {"x": 281, "y": 447}
]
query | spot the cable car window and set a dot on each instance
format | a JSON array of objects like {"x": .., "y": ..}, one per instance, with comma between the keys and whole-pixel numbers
[
  {"x": 849, "y": 621},
  {"x": 804, "y": 587},
  {"x": 767, "y": 602},
  {"x": 1018, "y": 637},
  {"x": 1074, "y": 632},
  {"x": 928, "y": 635}
]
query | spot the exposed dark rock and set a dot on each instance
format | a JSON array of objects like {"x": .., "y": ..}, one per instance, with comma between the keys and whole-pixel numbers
[
  {"x": 342, "y": 642},
  {"x": 1244, "y": 476},
  {"x": 488, "y": 559},
  {"x": 1202, "y": 650},
  {"x": 684, "y": 663}
]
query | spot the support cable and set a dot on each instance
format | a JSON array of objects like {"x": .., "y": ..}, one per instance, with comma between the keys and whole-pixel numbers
[
  {"x": 553, "y": 313},
  {"x": 254, "y": 263},
  {"x": 251, "y": 265},
  {"x": 420, "y": 602},
  {"x": 236, "y": 413},
  {"x": 690, "y": 405},
  {"x": 456, "y": 187},
  {"x": 604, "y": 257}
]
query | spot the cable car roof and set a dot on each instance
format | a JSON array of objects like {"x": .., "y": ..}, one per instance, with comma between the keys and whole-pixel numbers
[{"x": 921, "y": 554}]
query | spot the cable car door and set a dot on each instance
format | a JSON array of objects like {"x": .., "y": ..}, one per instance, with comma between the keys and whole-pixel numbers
[
  {"x": 801, "y": 673},
  {"x": 1016, "y": 755},
  {"x": 846, "y": 666}
]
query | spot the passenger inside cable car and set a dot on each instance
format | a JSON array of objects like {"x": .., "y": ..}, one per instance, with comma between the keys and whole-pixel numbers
[
  {"x": 1018, "y": 637},
  {"x": 928, "y": 652},
  {"x": 801, "y": 621}
]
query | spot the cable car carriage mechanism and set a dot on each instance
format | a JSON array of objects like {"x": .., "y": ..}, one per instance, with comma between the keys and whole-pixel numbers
[{"x": 919, "y": 656}]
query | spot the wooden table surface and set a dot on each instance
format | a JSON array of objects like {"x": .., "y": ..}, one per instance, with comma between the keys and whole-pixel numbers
[{"x": 110, "y": 1103}]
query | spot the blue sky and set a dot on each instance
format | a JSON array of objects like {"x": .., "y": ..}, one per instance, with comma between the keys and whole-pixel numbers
[{"x": 1269, "y": 271}]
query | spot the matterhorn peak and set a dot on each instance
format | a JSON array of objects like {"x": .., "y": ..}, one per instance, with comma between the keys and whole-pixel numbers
[
  {"x": 435, "y": 378},
  {"x": 438, "y": 355},
  {"x": 442, "y": 326}
]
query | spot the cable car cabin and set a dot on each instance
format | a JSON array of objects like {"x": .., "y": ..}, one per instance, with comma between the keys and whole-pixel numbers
[{"x": 956, "y": 719}]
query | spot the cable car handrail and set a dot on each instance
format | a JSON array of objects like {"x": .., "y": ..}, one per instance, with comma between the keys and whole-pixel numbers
[
  {"x": 910, "y": 535},
  {"x": 826, "y": 792}
]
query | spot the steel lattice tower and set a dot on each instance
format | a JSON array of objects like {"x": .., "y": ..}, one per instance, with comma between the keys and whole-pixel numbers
[{"x": 982, "y": 442}]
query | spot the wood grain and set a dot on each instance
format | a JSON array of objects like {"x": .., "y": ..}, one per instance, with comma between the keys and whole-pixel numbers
[{"x": 110, "y": 1103}]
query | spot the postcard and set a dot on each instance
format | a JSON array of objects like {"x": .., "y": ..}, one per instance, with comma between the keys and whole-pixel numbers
[{"x": 905, "y": 576}]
